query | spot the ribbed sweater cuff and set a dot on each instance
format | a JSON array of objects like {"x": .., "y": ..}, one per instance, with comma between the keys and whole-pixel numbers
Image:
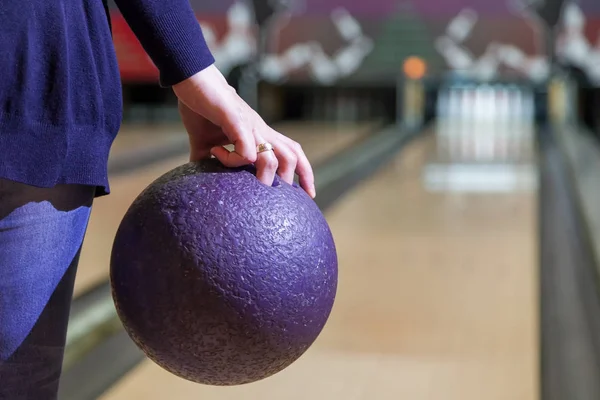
[{"x": 176, "y": 45}]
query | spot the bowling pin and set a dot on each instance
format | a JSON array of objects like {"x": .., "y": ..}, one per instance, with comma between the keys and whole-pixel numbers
[
  {"x": 497, "y": 150},
  {"x": 469, "y": 115},
  {"x": 453, "y": 119},
  {"x": 502, "y": 123},
  {"x": 272, "y": 69},
  {"x": 575, "y": 47},
  {"x": 461, "y": 26},
  {"x": 239, "y": 44},
  {"x": 491, "y": 123},
  {"x": 466, "y": 113},
  {"x": 322, "y": 68},
  {"x": 538, "y": 69},
  {"x": 457, "y": 58},
  {"x": 292, "y": 59},
  {"x": 443, "y": 107},
  {"x": 518, "y": 132},
  {"x": 485, "y": 68},
  {"x": 441, "y": 126},
  {"x": 346, "y": 25},
  {"x": 477, "y": 127},
  {"x": 593, "y": 64},
  {"x": 349, "y": 59},
  {"x": 458, "y": 126}
]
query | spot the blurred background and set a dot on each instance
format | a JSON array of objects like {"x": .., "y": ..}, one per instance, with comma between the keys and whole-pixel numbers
[{"x": 455, "y": 147}]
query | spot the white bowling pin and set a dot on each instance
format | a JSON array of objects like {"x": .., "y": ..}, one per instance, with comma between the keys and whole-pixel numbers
[
  {"x": 322, "y": 68},
  {"x": 349, "y": 59},
  {"x": 538, "y": 69},
  {"x": 478, "y": 123},
  {"x": 346, "y": 24},
  {"x": 469, "y": 115},
  {"x": 461, "y": 26},
  {"x": 574, "y": 44},
  {"x": 453, "y": 122},
  {"x": 512, "y": 56},
  {"x": 298, "y": 55},
  {"x": 485, "y": 68},
  {"x": 502, "y": 122},
  {"x": 457, "y": 58}
]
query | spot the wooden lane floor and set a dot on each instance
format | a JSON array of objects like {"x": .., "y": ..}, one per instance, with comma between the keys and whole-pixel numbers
[
  {"x": 437, "y": 300},
  {"x": 144, "y": 136},
  {"x": 318, "y": 140}
]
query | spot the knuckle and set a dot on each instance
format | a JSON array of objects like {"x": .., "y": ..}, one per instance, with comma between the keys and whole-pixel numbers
[
  {"x": 289, "y": 156},
  {"x": 271, "y": 163},
  {"x": 297, "y": 147},
  {"x": 292, "y": 158},
  {"x": 249, "y": 157},
  {"x": 238, "y": 125}
]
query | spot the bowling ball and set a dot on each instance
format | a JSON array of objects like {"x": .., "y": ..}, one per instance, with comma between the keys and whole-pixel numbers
[{"x": 220, "y": 279}]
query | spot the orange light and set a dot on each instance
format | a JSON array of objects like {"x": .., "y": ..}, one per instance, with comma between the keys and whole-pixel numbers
[{"x": 415, "y": 68}]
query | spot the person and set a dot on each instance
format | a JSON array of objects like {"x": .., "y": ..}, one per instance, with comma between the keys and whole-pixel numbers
[{"x": 60, "y": 110}]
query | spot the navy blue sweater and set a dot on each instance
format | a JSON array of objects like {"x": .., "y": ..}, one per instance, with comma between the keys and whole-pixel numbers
[{"x": 60, "y": 95}]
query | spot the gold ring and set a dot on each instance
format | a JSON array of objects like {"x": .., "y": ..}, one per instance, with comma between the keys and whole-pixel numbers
[{"x": 261, "y": 148}]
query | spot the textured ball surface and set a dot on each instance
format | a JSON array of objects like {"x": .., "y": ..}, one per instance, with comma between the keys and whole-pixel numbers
[{"x": 221, "y": 279}]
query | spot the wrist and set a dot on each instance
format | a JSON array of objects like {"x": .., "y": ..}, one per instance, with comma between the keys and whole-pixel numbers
[
  {"x": 208, "y": 77},
  {"x": 207, "y": 93}
]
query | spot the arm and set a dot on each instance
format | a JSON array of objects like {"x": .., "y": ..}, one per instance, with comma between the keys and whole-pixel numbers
[
  {"x": 212, "y": 112},
  {"x": 171, "y": 35}
]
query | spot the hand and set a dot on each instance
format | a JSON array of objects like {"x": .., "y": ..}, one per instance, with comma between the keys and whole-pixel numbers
[
  {"x": 214, "y": 115},
  {"x": 204, "y": 136}
]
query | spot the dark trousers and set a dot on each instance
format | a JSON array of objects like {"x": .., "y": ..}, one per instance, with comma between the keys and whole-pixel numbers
[{"x": 41, "y": 233}]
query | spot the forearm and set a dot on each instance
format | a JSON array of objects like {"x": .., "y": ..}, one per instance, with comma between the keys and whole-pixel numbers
[{"x": 171, "y": 35}]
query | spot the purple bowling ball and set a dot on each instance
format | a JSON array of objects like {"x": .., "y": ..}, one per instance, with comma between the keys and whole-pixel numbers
[{"x": 220, "y": 279}]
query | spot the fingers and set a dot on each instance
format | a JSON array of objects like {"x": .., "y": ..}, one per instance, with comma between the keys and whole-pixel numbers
[
  {"x": 241, "y": 129},
  {"x": 287, "y": 160},
  {"x": 304, "y": 170},
  {"x": 231, "y": 159},
  {"x": 208, "y": 94},
  {"x": 293, "y": 160},
  {"x": 246, "y": 129},
  {"x": 266, "y": 165},
  {"x": 244, "y": 142}
]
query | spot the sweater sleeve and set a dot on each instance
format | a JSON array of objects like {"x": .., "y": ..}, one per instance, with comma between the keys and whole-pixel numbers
[{"x": 171, "y": 35}]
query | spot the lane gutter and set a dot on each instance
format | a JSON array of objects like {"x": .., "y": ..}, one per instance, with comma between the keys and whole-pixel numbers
[{"x": 570, "y": 302}]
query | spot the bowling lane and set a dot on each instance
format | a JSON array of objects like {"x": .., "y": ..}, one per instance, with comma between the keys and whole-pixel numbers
[
  {"x": 145, "y": 136},
  {"x": 319, "y": 141},
  {"x": 437, "y": 300}
]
